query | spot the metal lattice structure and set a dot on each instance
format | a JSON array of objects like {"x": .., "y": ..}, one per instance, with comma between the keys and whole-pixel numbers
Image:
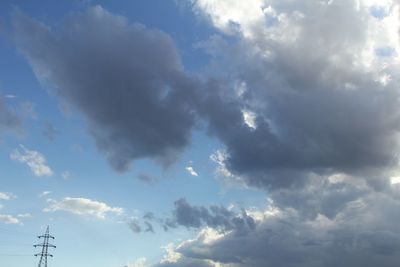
[{"x": 45, "y": 248}]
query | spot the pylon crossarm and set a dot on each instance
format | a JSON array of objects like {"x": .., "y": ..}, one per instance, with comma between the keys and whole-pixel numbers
[
  {"x": 45, "y": 245},
  {"x": 44, "y": 255},
  {"x": 46, "y": 236}
]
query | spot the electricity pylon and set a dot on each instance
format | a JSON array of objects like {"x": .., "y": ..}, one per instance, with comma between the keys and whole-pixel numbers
[{"x": 45, "y": 248}]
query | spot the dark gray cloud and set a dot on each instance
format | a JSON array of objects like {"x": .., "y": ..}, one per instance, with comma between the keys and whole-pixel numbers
[
  {"x": 322, "y": 132},
  {"x": 142, "y": 225},
  {"x": 321, "y": 136},
  {"x": 149, "y": 227},
  {"x": 321, "y": 196},
  {"x": 316, "y": 105},
  {"x": 134, "y": 225},
  {"x": 127, "y": 81},
  {"x": 9, "y": 121},
  {"x": 149, "y": 179},
  {"x": 149, "y": 216},
  {"x": 195, "y": 217},
  {"x": 217, "y": 217},
  {"x": 364, "y": 233}
]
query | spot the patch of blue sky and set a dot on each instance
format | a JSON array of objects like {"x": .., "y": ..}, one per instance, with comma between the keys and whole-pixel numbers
[
  {"x": 379, "y": 12},
  {"x": 385, "y": 51}
]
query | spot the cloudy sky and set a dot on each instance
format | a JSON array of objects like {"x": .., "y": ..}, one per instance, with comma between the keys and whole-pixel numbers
[{"x": 217, "y": 133}]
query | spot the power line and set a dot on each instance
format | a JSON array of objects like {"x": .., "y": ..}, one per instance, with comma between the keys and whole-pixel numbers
[
  {"x": 45, "y": 248},
  {"x": 14, "y": 232},
  {"x": 15, "y": 255},
  {"x": 13, "y": 244}
]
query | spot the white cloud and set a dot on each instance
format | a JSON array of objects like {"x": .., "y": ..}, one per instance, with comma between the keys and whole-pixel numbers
[
  {"x": 83, "y": 207},
  {"x": 8, "y": 219},
  {"x": 44, "y": 193},
  {"x": 141, "y": 262},
  {"x": 249, "y": 118},
  {"x": 270, "y": 21},
  {"x": 191, "y": 171},
  {"x": 232, "y": 16},
  {"x": 395, "y": 180},
  {"x": 34, "y": 159},
  {"x": 6, "y": 196},
  {"x": 171, "y": 255},
  {"x": 227, "y": 177}
]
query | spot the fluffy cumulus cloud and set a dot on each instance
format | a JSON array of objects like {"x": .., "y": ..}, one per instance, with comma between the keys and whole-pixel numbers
[
  {"x": 305, "y": 87},
  {"x": 9, "y": 219},
  {"x": 6, "y": 196},
  {"x": 126, "y": 80},
  {"x": 6, "y": 218},
  {"x": 83, "y": 207},
  {"x": 33, "y": 159}
]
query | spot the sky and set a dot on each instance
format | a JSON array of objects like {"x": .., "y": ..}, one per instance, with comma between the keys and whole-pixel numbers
[{"x": 205, "y": 133}]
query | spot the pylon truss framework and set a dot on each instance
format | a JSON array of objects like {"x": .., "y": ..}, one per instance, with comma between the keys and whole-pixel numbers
[{"x": 45, "y": 248}]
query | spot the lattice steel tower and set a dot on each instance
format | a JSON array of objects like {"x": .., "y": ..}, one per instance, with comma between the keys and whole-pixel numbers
[{"x": 45, "y": 248}]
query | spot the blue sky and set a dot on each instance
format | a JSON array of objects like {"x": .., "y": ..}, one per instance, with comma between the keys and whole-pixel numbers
[{"x": 200, "y": 133}]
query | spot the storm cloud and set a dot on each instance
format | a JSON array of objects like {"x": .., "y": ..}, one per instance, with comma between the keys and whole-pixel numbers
[
  {"x": 126, "y": 80},
  {"x": 288, "y": 97},
  {"x": 301, "y": 88},
  {"x": 363, "y": 233},
  {"x": 302, "y": 95},
  {"x": 307, "y": 106}
]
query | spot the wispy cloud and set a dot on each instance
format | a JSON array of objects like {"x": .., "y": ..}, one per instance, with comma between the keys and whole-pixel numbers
[
  {"x": 28, "y": 110},
  {"x": 66, "y": 175},
  {"x": 34, "y": 159},
  {"x": 10, "y": 96},
  {"x": 24, "y": 215},
  {"x": 44, "y": 193},
  {"x": 50, "y": 131},
  {"x": 83, "y": 207}
]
